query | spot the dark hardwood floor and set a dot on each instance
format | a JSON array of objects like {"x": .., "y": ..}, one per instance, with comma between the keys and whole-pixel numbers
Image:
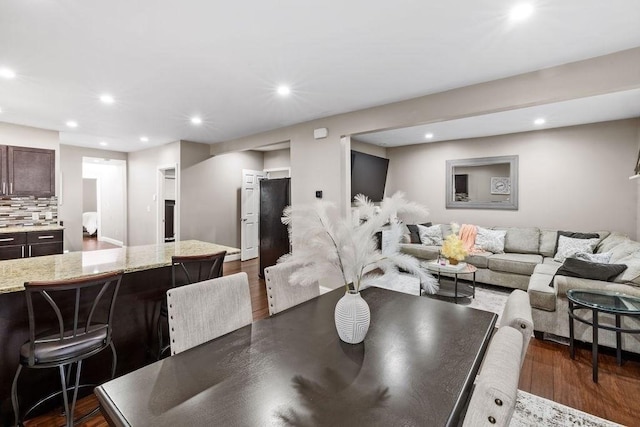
[
  {"x": 547, "y": 371},
  {"x": 93, "y": 244}
]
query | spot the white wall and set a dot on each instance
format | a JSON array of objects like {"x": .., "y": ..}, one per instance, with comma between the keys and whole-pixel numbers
[
  {"x": 70, "y": 210},
  {"x": 89, "y": 195},
  {"x": 363, "y": 147},
  {"x": 142, "y": 190},
  {"x": 111, "y": 181},
  {"x": 210, "y": 193},
  {"x": 277, "y": 159},
  {"x": 573, "y": 178}
]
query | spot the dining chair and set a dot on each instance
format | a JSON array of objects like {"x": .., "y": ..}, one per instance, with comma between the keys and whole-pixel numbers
[
  {"x": 69, "y": 321},
  {"x": 517, "y": 314},
  {"x": 206, "y": 310},
  {"x": 185, "y": 270},
  {"x": 494, "y": 397},
  {"x": 281, "y": 294}
]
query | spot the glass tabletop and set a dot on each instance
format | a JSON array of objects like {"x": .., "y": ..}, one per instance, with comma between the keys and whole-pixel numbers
[
  {"x": 613, "y": 302},
  {"x": 461, "y": 268}
]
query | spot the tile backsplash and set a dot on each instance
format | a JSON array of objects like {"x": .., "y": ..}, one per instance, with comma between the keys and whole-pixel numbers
[{"x": 15, "y": 211}]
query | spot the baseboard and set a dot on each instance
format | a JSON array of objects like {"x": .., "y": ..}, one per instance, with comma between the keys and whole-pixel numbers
[
  {"x": 233, "y": 257},
  {"x": 110, "y": 240}
]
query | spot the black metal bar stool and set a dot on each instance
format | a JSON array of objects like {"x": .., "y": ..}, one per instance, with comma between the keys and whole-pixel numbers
[
  {"x": 69, "y": 321},
  {"x": 186, "y": 270}
]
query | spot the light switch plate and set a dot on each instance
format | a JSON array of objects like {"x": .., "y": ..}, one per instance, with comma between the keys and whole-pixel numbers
[
  {"x": 48, "y": 215},
  {"x": 35, "y": 216}
]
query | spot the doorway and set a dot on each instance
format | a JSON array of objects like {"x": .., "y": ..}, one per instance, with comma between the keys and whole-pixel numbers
[{"x": 168, "y": 204}]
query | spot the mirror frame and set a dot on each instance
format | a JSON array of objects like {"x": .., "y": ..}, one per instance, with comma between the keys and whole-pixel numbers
[{"x": 512, "y": 204}]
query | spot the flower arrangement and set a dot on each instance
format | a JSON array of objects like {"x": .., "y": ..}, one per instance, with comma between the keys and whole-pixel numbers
[
  {"x": 453, "y": 248},
  {"x": 323, "y": 242}
]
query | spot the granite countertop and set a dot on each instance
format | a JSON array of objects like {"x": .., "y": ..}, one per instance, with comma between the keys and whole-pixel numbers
[
  {"x": 76, "y": 264},
  {"x": 23, "y": 228}
]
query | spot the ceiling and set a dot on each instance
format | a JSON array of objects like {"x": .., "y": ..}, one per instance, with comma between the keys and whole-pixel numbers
[{"x": 165, "y": 62}]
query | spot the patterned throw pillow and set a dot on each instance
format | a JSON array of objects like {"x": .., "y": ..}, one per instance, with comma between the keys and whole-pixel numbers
[
  {"x": 603, "y": 258},
  {"x": 568, "y": 247},
  {"x": 490, "y": 240},
  {"x": 430, "y": 236}
]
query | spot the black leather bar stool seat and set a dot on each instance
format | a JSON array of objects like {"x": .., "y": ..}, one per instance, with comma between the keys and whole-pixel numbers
[
  {"x": 69, "y": 321},
  {"x": 186, "y": 270}
]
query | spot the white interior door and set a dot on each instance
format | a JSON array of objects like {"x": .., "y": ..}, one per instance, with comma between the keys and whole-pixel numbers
[{"x": 250, "y": 212}]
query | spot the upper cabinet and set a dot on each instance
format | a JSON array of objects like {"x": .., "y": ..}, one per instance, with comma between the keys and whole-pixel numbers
[{"x": 27, "y": 171}]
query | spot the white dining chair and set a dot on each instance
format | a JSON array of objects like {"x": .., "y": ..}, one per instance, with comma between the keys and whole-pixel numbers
[
  {"x": 517, "y": 314},
  {"x": 280, "y": 293},
  {"x": 494, "y": 397},
  {"x": 206, "y": 310}
]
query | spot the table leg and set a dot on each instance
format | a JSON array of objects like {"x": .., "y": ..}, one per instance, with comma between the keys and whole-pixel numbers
[
  {"x": 618, "y": 341},
  {"x": 594, "y": 348},
  {"x": 474, "y": 285},
  {"x": 572, "y": 349},
  {"x": 455, "y": 280}
]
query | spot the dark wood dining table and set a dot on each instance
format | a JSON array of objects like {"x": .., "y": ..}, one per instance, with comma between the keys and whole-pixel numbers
[{"x": 416, "y": 367}]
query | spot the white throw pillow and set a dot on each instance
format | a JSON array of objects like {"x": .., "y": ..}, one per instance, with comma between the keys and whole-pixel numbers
[
  {"x": 603, "y": 258},
  {"x": 430, "y": 236},
  {"x": 568, "y": 247},
  {"x": 490, "y": 240}
]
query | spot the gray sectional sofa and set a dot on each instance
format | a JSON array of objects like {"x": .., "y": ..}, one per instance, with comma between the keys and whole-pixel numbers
[{"x": 528, "y": 264}]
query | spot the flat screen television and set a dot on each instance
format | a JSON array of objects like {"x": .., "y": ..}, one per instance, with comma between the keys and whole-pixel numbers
[{"x": 368, "y": 175}]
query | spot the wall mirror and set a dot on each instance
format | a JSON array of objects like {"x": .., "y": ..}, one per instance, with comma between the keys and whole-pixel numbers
[{"x": 483, "y": 183}]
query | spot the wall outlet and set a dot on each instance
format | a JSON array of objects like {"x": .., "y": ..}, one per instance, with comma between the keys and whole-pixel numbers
[
  {"x": 48, "y": 215},
  {"x": 35, "y": 216}
]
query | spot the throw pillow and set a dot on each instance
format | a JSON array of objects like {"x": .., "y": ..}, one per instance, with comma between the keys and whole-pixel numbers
[
  {"x": 574, "y": 267},
  {"x": 568, "y": 246},
  {"x": 490, "y": 240},
  {"x": 430, "y": 236},
  {"x": 573, "y": 235},
  {"x": 414, "y": 233},
  {"x": 603, "y": 258}
]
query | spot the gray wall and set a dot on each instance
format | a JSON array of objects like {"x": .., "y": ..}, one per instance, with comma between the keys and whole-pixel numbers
[
  {"x": 89, "y": 195},
  {"x": 573, "y": 178},
  {"x": 70, "y": 210},
  {"x": 277, "y": 159},
  {"x": 112, "y": 181},
  {"x": 210, "y": 194}
]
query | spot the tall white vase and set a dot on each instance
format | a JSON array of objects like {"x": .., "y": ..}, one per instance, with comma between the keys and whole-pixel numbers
[{"x": 352, "y": 317}]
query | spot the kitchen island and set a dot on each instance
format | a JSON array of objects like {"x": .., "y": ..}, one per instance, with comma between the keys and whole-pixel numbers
[{"x": 147, "y": 277}]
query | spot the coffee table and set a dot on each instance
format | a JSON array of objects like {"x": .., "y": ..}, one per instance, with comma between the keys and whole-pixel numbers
[
  {"x": 455, "y": 270},
  {"x": 597, "y": 302}
]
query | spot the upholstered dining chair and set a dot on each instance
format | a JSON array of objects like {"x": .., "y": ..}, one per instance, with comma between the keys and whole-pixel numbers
[
  {"x": 494, "y": 397},
  {"x": 517, "y": 314},
  {"x": 280, "y": 293},
  {"x": 185, "y": 270},
  {"x": 206, "y": 310},
  {"x": 69, "y": 321}
]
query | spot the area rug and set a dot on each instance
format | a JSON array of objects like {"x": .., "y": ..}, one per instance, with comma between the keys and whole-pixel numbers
[{"x": 533, "y": 410}]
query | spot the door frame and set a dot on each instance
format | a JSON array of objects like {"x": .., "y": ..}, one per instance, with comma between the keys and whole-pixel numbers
[{"x": 159, "y": 199}]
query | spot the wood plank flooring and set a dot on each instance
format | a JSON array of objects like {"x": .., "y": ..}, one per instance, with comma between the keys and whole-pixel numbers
[
  {"x": 93, "y": 244},
  {"x": 547, "y": 371}
]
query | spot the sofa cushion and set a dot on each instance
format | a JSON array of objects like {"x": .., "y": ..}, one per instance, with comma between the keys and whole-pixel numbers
[
  {"x": 623, "y": 250},
  {"x": 548, "y": 269},
  {"x": 550, "y": 261},
  {"x": 414, "y": 234},
  {"x": 547, "y": 246},
  {"x": 479, "y": 259},
  {"x": 514, "y": 263},
  {"x": 611, "y": 241},
  {"x": 430, "y": 236},
  {"x": 575, "y": 267},
  {"x": 420, "y": 251},
  {"x": 446, "y": 230},
  {"x": 575, "y": 235},
  {"x": 491, "y": 240},
  {"x": 521, "y": 240},
  {"x": 569, "y": 246},
  {"x": 632, "y": 274},
  {"x": 541, "y": 295}
]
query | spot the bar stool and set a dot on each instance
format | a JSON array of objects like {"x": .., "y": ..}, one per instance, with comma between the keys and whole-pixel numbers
[
  {"x": 186, "y": 270},
  {"x": 69, "y": 321}
]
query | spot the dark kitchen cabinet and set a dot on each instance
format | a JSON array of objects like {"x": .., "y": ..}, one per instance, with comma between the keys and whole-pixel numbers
[
  {"x": 30, "y": 244},
  {"x": 29, "y": 171},
  {"x": 12, "y": 245}
]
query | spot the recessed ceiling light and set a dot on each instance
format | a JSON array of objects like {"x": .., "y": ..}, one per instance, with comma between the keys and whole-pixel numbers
[
  {"x": 196, "y": 120},
  {"x": 104, "y": 144},
  {"x": 428, "y": 135},
  {"x": 72, "y": 124},
  {"x": 539, "y": 121},
  {"x": 521, "y": 11},
  {"x": 284, "y": 90},
  {"x": 144, "y": 139},
  {"x": 107, "y": 99},
  {"x": 7, "y": 73}
]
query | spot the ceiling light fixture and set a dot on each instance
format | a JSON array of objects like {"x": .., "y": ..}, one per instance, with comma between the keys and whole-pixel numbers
[
  {"x": 539, "y": 121},
  {"x": 284, "y": 90},
  {"x": 521, "y": 11},
  {"x": 104, "y": 144},
  {"x": 196, "y": 120},
  {"x": 428, "y": 135},
  {"x": 7, "y": 73},
  {"x": 72, "y": 124},
  {"x": 107, "y": 99},
  {"x": 144, "y": 139}
]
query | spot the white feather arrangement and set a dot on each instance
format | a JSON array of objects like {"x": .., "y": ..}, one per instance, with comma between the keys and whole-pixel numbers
[{"x": 324, "y": 243}]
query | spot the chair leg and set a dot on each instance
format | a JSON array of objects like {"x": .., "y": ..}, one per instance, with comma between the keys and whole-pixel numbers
[
  {"x": 63, "y": 384},
  {"x": 70, "y": 415},
  {"x": 114, "y": 362},
  {"x": 14, "y": 397},
  {"x": 159, "y": 324}
]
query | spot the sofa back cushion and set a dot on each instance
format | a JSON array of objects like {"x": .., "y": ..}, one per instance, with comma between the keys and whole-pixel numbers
[
  {"x": 521, "y": 240},
  {"x": 547, "y": 246},
  {"x": 631, "y": 275},
  {"x": 611, "y": 241},
  {"x": 414, "y": 233}
]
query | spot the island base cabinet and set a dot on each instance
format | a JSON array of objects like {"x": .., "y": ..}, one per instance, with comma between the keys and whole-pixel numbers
[
  {"x": 42, "y": 249},
  {"x": 11, "y": 252}
]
